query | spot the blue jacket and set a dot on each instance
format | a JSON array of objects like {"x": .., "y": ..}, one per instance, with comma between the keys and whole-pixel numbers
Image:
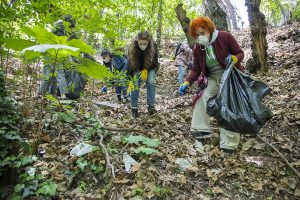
[{"x": 118, "y": 63}]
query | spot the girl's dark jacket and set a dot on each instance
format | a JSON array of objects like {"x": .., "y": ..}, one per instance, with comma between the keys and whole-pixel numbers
[{"x": 139, "y": 60}]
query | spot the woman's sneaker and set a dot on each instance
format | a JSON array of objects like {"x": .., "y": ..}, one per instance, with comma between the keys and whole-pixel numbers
[
  {"x": 200, "y": 134},
  {"x": 229, "y": 151},
  {"x": 134, "y": 113},
  {"x": 151, "y": 110}
]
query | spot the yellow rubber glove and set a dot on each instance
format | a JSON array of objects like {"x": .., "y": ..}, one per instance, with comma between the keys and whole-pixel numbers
[
  {"x": 130, "y": 87},
  {"x": 144, "y": 74},
  {"x": 234, "y": 59}
]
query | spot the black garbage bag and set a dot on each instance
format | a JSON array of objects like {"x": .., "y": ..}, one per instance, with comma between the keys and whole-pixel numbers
[
  {"x": 76, "y": 83},
  {"x": 237, "y": 106}
]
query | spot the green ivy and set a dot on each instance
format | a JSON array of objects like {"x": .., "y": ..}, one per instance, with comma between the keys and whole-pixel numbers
[
  {"x": 9, "y": 132},
  {"x": 12, "y": 159}
]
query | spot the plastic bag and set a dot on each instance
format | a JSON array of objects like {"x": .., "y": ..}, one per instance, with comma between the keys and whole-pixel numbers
[
  {"x": 184, "y": 163},
  {"x": 237, "y": 106},
  {"x": 128, "y": 162},
  {"x": 76, "y": 83},
  {"x": 81, "y": 149}
]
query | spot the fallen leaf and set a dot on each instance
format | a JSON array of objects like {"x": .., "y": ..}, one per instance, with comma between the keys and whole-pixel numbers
[
  {"x": 217, "y": 190},
  {"x": 297, "y": 192},
  {"x": 256, "y": 186},
  {"x": 123, "y": 181},
  {"x": 297, "y": 163},
  {"x": 193, "y": 169},
  {"x": 58, "y": 177},
  {"x": 136, "y": 167},
  {"x": 46, "y": 138},
  {"x": 248, "y": 144},
  {"x": 181, "y": 178}
]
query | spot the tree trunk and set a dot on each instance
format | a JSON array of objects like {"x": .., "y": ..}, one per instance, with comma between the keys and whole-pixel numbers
[
  {"x": 284, "y": 17},
  {"x": 224, "y": 7},
  {"x": 257, "y": 22},
  {"x": 159, "y": 23},
  {"x": 185, "y": 23},
  {"x": 213, "y": 10},
  {"x": 231, "y": 14}
]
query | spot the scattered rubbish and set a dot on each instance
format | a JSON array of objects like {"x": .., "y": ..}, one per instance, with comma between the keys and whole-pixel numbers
[
  {"x": 41, "y": 152},
  {"x": 31, "y": 171},
  {"x": 183, "y": 163},
  {"x": 199, "y": 146},
  {"x": 106, "y": 104},
  {"x": 81, "y": 149},
  {"x": 254, "y": 159},
  {"x": 128, "y": 161}
]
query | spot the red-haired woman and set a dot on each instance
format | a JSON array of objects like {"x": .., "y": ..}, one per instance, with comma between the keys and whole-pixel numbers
[{"x": 209, "y": 55}]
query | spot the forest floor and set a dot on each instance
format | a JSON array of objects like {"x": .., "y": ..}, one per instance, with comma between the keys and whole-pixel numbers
[{"x": 254, "y": 171}]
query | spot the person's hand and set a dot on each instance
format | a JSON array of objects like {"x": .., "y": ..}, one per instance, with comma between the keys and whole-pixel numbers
[
  {"x": 234, "y": 59},
  {"x": 190, "y": 65},
  {"x": 130, "y": 87},
  {"x": 104, "y": 89},
  {"x": 144, "y": 74},
  {"x": 183, "y": 87}
]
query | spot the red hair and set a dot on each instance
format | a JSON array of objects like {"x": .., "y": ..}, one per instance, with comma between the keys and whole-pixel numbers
[{"x": 203, "y": 22}]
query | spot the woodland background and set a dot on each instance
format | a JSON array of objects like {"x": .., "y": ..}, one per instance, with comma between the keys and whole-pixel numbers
[{"x": 37, "y": 134}]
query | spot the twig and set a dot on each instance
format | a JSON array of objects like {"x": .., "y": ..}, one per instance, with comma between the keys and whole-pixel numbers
[
  {"x": 282, "y": 156},
  {"x": 103, "y": 147},
  {"x": 122, "y": 129},
  {"x": 144, "y": 120},
  {"x": 107, "y": 157}
]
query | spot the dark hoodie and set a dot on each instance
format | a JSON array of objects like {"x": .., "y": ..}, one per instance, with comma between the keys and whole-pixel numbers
[
  {"x": 223, "y": 44},
  {"x": 139, "y": 60}
]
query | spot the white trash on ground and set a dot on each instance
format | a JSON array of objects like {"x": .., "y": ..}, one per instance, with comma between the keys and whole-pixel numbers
[
  {"x": 183, "y": 163},
  {"x": 199, "y": 146},
  {"x": 81, "y": 149},
  {"x": 128, "y": 161}
]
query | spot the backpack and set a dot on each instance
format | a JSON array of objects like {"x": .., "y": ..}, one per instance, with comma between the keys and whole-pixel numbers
[{"x": 177, "y": 50}]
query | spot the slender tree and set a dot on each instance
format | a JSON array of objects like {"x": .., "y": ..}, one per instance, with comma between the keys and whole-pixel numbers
[
  {"x": 257, "y": 22},
  {"x": 232, "y": 15},
  {"x": 185, "y": 23},
  {"x": 159, "y": 23},
  {"x": 216, "y": 13},
  {"x": 224, "y": 7}
]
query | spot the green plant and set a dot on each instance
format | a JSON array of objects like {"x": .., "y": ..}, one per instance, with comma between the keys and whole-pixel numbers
[
  {"x": 160, "y": 191},
  {"x": 82, "y": 186},
  {"x": 33, "y": 184},
  {"x": 277, "y": 10},
  {"x": 86, "y": 165},
  {"x": 47, "y": 188},
  {"x": 148, "y": 142},
  {"x": 12, "y": 161},
  {"x": 209, "y": 192}
]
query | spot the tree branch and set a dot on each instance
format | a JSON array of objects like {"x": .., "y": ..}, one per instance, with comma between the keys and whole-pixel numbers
[{"x": 282, "y": 156}]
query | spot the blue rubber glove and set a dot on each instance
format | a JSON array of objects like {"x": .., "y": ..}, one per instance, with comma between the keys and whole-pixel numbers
[
  {"x": 104, "y": 89},
  {"x": 183, "y": 87}
]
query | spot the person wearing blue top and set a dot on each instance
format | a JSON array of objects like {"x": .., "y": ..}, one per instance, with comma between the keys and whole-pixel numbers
[{"x": 118, "y": 65}]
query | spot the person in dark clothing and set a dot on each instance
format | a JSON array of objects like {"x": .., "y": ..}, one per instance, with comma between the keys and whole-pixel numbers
[
  {"x": 50, "y": 81},
  {"x": 70, "y": 82},
  {"x": 208, "y": 64},
  {"x": 143, "y": 64},
  {"x": 118, "y": 65}
]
